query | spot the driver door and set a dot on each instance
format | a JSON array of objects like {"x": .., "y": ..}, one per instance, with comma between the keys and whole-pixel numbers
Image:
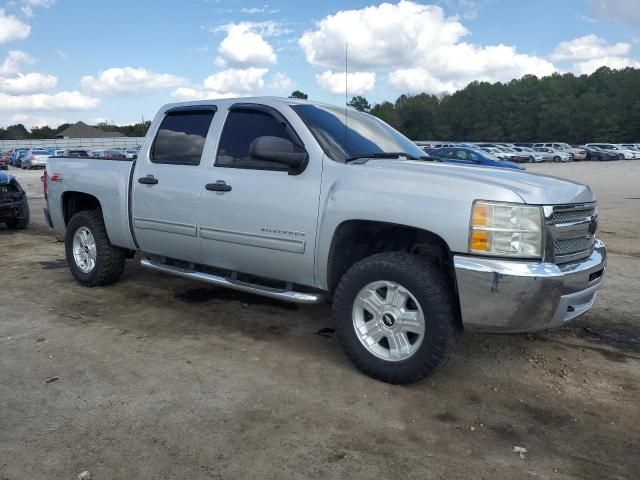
[{"x": 256, "y": 217}]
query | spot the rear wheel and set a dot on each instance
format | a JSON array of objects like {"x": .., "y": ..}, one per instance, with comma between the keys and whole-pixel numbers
[
  {"x": 396, "y": 317},
  {"x": 91, "y": 257}
]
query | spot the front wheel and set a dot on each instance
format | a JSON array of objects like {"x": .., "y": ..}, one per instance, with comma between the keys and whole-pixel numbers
[
  {"x": 396, "y": 317},
  {"x": 556, "y": 159},
  {"x": 92, "y": 259}
]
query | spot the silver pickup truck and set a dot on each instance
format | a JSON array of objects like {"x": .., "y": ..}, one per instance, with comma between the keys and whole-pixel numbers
[{"x": 306, "y": 202}]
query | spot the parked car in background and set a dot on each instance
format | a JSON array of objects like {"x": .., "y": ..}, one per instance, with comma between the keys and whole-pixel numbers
[
  {"x": 630, "y": 146},
  {"x": 552, "y": 155},
  {"x": 114, "y": 154},
  {"x": 5, "y": 160},
  {"x": 597, "y": 155},
  {"x": 295, "y": 201},
  {"x": 501, "y": 153},
  {"x": 75, "y": 153},
  {"x": 131, "y": 153},
  {"x": 17, "y": 155},
  {"x": 56, "y": 152},
  {"x": 623, "y": 153},
  {"x": 14, "y": 207},
  {"x": 533, "y": 155},
  {"x": 471, "y": 156},
  {"x": 576, "y": 153},
  {"x": 35, "y": 158},
  {"x": 515, "y": 155}
]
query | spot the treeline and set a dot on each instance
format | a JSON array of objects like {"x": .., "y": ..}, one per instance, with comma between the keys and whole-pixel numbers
[
  {"x": 601, "y": 107},
  {"x": 20, "y": 132}
]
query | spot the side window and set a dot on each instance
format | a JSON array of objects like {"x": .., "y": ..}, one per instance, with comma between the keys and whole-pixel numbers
[
  {"x": 181, "y": 137},
  {"x": 474, "y": 157},
  {"x": 459, "y": 154},
  {"x": 241, "y": 128}
]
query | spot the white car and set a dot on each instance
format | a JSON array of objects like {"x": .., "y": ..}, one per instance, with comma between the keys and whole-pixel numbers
[
  {"x": 627, "y": 154},
  {"x": 576, "y": 153},
  {"x": 554, "y": 155},
  {"x": 537, "y": 156},
  {"x": 36, "y": 157}
]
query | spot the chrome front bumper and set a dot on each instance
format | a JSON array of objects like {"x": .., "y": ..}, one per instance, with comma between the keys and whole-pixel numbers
[{"x": 518, "y": 296}]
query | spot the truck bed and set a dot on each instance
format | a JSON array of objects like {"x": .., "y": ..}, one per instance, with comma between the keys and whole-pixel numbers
[{"x": 106, "y": 179}]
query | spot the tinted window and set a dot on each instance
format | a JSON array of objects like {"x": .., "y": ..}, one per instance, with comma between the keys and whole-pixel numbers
[
  {"x": 345, "y": 135},
  {"x": 241, "y": 128},
  {"x": 181, "y": 137}
]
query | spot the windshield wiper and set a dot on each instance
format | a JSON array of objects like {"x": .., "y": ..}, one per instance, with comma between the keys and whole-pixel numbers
[{"x": 382, "y": 155}]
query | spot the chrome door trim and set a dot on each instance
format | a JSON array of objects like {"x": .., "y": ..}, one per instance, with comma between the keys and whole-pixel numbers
[
  {"x": 270, "y": 242},
  {"x": 164, "y": 226}
]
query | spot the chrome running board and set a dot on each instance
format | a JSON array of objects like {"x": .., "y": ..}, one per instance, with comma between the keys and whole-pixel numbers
[{"x": 286, "y": 295}]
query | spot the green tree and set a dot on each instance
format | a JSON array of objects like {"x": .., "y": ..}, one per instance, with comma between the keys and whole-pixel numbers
[
  {"x": 299, "y": 95},
  {"x": 360, "y": 104}
]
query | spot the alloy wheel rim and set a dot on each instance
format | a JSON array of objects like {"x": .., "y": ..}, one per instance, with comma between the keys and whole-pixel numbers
[
  {"x": 388, "y": 321},
  {"x": 84, "y": 250}
]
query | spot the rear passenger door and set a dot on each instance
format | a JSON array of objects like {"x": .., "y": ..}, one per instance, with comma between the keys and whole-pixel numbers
[
  {"x": 263, "y": 221},
  {"x": 167, "y": 184}
]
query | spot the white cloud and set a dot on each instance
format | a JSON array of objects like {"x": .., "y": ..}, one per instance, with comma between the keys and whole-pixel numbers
[
  {"x": 267, "y": 28},
  {"x": 39, "y": 3},
  {"x": 129, "y": 80},
  {"x": 27, "y": 11},
  {"x": 590, "y": 66},
  {"x": 14, "y": 62},
  {"x": 12, "y": 28},
  {"x": 264, "y": 9},
  {"x": 406, "y": 38},
  {"x": 244, "y": 81},
  {"x": 282, "y": 83},
  {"x": 589, "y": 47},
  {"x": 30, "y": 121},
  {"x": 334, "y": 83},
  {"x": 28, "y": 83},
  {"x": 627, "y": 11},
  {"x": 590, "y": 52},
  {"x": 418, "y": 80},
  {"x": 244, "y": 47},
  {"x": 41, "y": 101},
  {"x": 228, "y": 83}
]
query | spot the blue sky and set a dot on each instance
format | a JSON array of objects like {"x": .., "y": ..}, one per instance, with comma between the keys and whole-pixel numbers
[{"x": 66, "y": 60}]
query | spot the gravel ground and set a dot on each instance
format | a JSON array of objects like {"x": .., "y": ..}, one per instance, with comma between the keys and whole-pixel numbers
[{"x": 159, "y": 377}]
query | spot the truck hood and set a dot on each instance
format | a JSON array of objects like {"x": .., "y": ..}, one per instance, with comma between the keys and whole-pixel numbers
[{"x": 532, "y": 188}]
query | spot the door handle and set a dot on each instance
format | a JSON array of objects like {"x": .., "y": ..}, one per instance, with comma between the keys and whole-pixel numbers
[
  {"x": 148, "y": 180},
  {"x": 219, "y": 186}
]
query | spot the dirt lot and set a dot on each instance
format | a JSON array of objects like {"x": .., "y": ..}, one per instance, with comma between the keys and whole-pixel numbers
[{"x": 158, "y": 377}]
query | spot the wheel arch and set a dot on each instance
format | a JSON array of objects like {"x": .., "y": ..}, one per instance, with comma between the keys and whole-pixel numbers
[
  {"x": 354, "y": 240},
  {"x": 75, "y": 201}
]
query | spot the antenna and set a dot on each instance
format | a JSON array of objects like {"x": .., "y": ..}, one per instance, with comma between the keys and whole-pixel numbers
[
  {"x": 346, "y": 74},
  {"x": 346, "y": 91}
]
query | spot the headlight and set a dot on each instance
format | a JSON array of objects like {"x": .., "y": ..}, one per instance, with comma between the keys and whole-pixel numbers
[{"x": 505, "y": 229}]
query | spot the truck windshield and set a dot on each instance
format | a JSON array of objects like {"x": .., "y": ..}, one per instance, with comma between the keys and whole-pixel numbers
[{"x": 354, "y": 134}]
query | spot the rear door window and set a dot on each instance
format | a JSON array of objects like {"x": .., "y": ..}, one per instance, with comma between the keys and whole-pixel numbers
[{"x": 181, "y": 137}]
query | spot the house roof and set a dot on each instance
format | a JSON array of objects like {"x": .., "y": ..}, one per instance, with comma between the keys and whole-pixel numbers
[{"x": 82, "y": 130}]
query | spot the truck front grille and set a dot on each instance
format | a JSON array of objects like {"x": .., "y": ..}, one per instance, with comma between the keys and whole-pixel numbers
[
  {"x": 571, "y": 232},
  {"x": 573, "y": 246},
  {"x": 561, "y": 215}
]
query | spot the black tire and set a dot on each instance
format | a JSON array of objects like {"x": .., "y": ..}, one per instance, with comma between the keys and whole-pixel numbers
[
  {"x": 22, "y": 221},
  {"x": 110, "y": 260},
  {"x": 556, "y": 159},
  {"x": 434, "y": 294}
]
